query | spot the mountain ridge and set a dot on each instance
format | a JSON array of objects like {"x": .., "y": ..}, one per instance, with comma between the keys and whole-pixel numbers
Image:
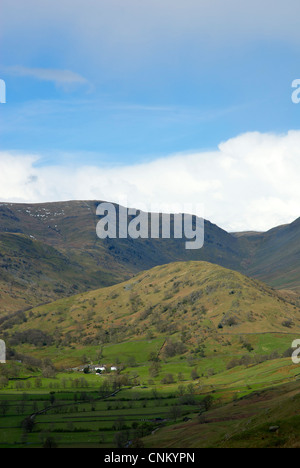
[{"x": 83, "y": 262}]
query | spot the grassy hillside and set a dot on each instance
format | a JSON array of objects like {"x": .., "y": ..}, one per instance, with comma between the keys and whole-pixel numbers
[
  {"x": 267, "y": 418},
  {"x": 190, "y": 303}
]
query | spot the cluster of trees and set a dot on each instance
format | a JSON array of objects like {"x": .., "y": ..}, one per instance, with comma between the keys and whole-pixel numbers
[
  {"x": 248, "y": 360},
  {"x": 8, "y": 321},
  {"x": 288, "y": 323},
  {"x": 172, "y": 349},
  {"x": 32, "y": 336},
  {"x": 229, "y": 322}
]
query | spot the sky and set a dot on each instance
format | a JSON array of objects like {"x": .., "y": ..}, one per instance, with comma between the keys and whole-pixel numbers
[{"x": 168, "y": 101}]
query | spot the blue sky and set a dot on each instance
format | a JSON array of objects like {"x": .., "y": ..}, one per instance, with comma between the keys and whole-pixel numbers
[{"x": 114, "y": 83}]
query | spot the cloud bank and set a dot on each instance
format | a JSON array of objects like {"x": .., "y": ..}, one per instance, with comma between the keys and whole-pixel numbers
[{"x": 251, "y": 182}]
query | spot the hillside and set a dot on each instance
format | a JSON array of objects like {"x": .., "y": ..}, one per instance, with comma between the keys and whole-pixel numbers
[
  {"x": 276, "y": 256},
  {"x": 33, "y": 272},
  {"x": 49, "y": 251},
  {"x": 202, "y": 355},
  {"x": 68, "y": 231},
  {"x": 243, "y": 423},
  {"x": 190, "y": 302}
]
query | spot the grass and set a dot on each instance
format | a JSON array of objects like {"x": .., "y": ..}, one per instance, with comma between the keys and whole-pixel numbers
[{"x": 247, "y": 401}]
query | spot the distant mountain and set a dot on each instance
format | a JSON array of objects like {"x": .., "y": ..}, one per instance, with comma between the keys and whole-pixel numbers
[
  {"x": 51, "y": 250},
  {"x": 274, "y": 256}
]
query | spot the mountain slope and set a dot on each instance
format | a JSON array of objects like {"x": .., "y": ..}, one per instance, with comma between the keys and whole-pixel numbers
[
  {"x": 69, "y": 229},
  {"x": 191, "y": 301},
  {"x": 32, "y": 272},
  {"x": 85, "y": 262},
  {"x": 276, "y": 256}
]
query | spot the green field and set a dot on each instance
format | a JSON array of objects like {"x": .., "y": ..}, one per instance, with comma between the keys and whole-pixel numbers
[{"x": 74, "y": 409}]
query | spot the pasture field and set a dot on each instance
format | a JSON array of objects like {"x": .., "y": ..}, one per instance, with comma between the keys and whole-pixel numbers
[{"x": 74, "y": 409}]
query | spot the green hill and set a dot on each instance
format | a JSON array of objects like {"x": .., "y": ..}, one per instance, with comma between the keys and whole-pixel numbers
[{"x": 188, "y": 302}]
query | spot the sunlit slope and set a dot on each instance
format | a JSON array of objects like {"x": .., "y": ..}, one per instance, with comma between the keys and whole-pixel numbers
[{"x": 198, "y": 298}]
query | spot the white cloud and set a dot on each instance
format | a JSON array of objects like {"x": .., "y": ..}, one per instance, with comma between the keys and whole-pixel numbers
[
  {"x": 64, "y": 78},
  {"x": 250, "y": 182}
]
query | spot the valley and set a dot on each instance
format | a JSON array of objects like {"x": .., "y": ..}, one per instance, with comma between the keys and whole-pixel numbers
[{"x": 201, "y": 350}]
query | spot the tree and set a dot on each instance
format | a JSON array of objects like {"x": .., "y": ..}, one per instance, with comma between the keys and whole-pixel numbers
[
  {"x": 131, "y": 361},
  {"x": 119, "y": 424},
  {"x": 181, "y": 390},
  {"x": 52, "y": 398},
  {"x": 175, "y": 412},
  {"x": 201, "y": 418},
  {"x": 4, "y": 407},
  {"x": 207, "y": 402},
  {"x": 153, "y": 357},
  {"x": 48, "y": 369},
  {"x": 100, "y": 354},
  {"x": 35, "y": 407},
  {"x": 168, "y": 379},
  {"x": 28, "y": 424},
  {"x": 3, "y": 381},
  {"x": 85, "y": 359},
  {"x": 120, "y": 439},
  {"x": 191, "y": 389},
  {"x": 154, "y": 369},
  {"x": 288, "y": 323},
  {"x": 50, "y": 443},
  {"x": 171, "y": 348},
  {"x": 187, "y": 399},
  {"x": 194, "y": 374},
  {"x": 38, "y": 383},
  {"x": 137, "y": 443}
]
